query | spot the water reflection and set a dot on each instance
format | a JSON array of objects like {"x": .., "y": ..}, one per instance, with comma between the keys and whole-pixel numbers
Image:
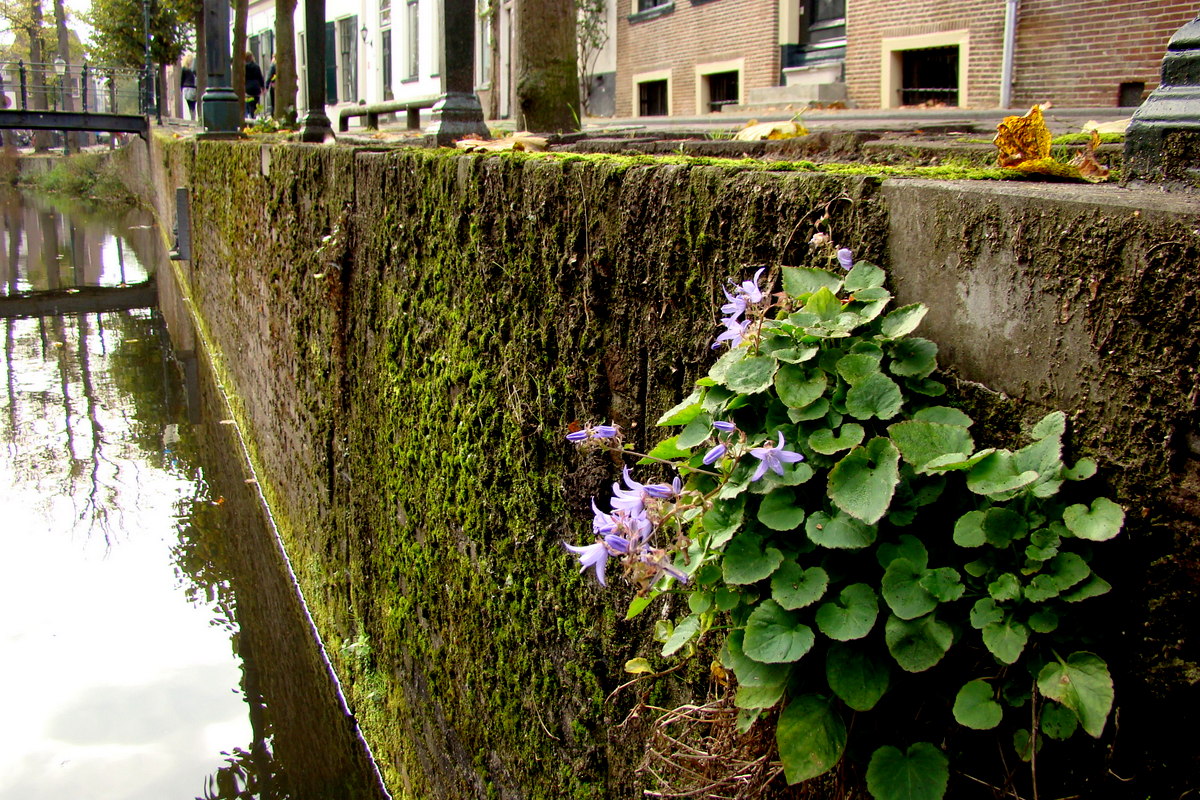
[{"x": 160, "y": 649}]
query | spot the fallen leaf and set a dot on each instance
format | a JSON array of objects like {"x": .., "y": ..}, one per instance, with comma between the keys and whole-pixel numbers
[
  {"x": 1112, "y": 126},
  {"x": 1089, "y": 168},
  {"x": 519, "y": 141},
  {"x": 1022, "y": 139},
  {"x": 756, "y": 132}
]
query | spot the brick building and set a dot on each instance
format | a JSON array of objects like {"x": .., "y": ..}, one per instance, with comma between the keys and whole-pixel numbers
[{"x": 1072, "y": 52}]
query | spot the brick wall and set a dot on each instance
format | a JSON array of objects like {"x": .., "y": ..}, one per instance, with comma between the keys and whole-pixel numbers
[
  {"x": 1071, "y": 52},
  {"x": 1078, "y": 52},
  {"x": 869, "y": 21},
  {"x": 696, "y": 33}
]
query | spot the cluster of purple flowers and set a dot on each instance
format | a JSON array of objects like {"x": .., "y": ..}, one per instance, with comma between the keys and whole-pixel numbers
[
  {"x": 743, "y": 297},
  {"x": 627, "y": 532},
  {"x": 845, "y": 255}
]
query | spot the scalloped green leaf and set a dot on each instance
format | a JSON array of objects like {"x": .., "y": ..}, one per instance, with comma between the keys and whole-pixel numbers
[
  {"x": 685, "y": 412},
  {"x": 810, "y": 736},
  {"x": 814, "y": 410},
  {"x": 1082, "y": 684},
  {"x": 917, "y": 644},
  {"x": 968, "y": 530},
  {"x": 824, "y": 304},
  {"x": 799, "y": 281},
  {"x": 944, "y": 583},
  {"x": 857, "y": 367},
  {"x": 1053, "y": 424},
  {"x": 913, "y": 357},
  {"x": 903, "y": 320},
  {"x": 1092, "y": 587},
  {"x": 921, "y": 441},
  {"x": 957, "y": 461},
  {"x": 751, "y": 375},
  {"x": 775, "y": 635},
  {"x": 946, "y": 415},
  {"x": 747, "y": 561},
  {"x": 668, "y": 450},
  {"x": 839, "y": 532},
  {"x": 1084, "y": 468},
  {"x": 695, "y": 432},
  {"x": 779, "y": 511},
  {"x": 724, "y": 519},
  {"x": 856, "y": 678},
  {"x": 985, "y": 612},
  {"x": 1006, "y": 639},
  {"x": 687, "y": 628},
  {"x": 851, "y": 615},
  {"x": 1005, "y": 588},
  {"x": 874, "y": 396},
  {"x": 826, "y": 443},
  {"x": 793, "y": 586},
  {"x": 907, "y": 546},
  {"x": 759, "y": 685},
  {"x": 1067, "y": 570},
  {"x": 863, "y": 482},
  {"x": 864, "y": 275},
  {"x": 1100, "y": 523},
  {"x": 975, "y": 706},
  {"x": 1057, "y": 721},
  {"x": 799, "y": 387},
  {"x": 903, "y": 592},
  {"x": 996, "y": 476},
  {"x": 1001, "y": 526},
  {"x": 920, "y": 774}
]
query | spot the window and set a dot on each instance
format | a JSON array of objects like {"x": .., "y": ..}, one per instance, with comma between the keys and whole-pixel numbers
[
  {"x": 385, "y": 53},
  {"x": 650, "y": 5},
  {"x": 348, "y": 58},
  {"x": 652, "y": 98},
  {"x": 722, "y": 89},
  {"x": 929, "y": 76},
  {"x": 414, "y": 39},
  {"x": 483, "y": 50},
  {"x": 302, "y": 72}
]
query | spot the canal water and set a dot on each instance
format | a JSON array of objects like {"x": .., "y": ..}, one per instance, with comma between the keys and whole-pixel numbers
[{"x": 154, "y": 644}]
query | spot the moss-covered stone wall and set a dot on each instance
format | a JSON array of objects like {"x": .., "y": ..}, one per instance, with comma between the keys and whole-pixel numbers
[{"x": 407, "y": 334}]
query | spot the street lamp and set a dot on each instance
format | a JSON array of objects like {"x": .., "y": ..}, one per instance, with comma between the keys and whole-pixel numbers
[
  {"x": 60, "y": 69},
  {"x": 363, "y": 33}
]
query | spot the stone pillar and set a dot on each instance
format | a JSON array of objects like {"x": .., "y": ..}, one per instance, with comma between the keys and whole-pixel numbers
[
  {"x": 315, "y": 127},
  {"x": 457, "y": 113},
  {"x": 1162, "y": 144},
  {"x": 219, "y": 104}
]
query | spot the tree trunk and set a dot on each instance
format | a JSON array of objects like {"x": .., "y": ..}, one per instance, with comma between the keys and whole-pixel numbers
[
  {"x": 241, "y": 10},
  {"x": 200, "y": 64},
  {"x": 547, "y": 79},
  {"x": 285, "y": 61},
  {"x": 37, "y": 72}
]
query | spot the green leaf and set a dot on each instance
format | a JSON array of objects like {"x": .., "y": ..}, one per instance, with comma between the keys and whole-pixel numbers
[
  {"x": 903, "y": 592},
  {"x": 913, "y": 358},
  {"x": 907, "y": 546},
  {"x": 751, "y": 375},
  {"x": 776, "y": 636},
  {"x": 864, "y": 275},
  {"x": 1001, "y": 526},
  {"x": 779, "y": 511},
  {"x": 1006, "y": 639},
  {"x": 793, "y": 586},
  {"x": 638, "y": 604},
  {"x": 685, "y": 412},
  {"x": 1099, "y": 524},
  {"x": 874, "y": 396},
  {"x": 747, "y": 562},
  {"x": 944, "y": 583},
  {"x": 1026, "y": 745},
  {"x": 920, "y": 774},
  {"x": 944, "y": 415},
  {"x": 798, "y": 386},
  {"x": 798, "y": 281},
  {"x": 1083, "y": 469},
  {"x": 850, "y": 616},
  {"x": 1043, "y": 620},
  {"x": 917, "y": 644},
  {"x": 903, "y": 321},
  {"x": 637, "y": 666},
  {"x": 985, "y": 612},
  {"x": 1041, "y": 589},
  {"x": 696, "y": 432},
  {"x": 1005, "y": 588},
  {"x": 824, "y": 442},
  {"x": 1082, "y": 684},
  {"x": 667, "y": 450},
  {"x": 759, "y": 685},
  {"x": 976, "y": 707},
  {"x": 968, "y": 530},
  {"x": 1053, "y": 424},
  {"x": 724, "y": 519},
  {"x": 857, "y": 367},
  {"x": 810, "y": 736},
  {"x": 996, "y": 476},
  {"x": 840, "y": 532},
  {"x": 1093, "y": 587},
  {"x": 856, "y": 678},
  {"x": 1057, "y": 721},
  {"x": 824, "y": 304},
  {"x": 862, "y": 483},
  {"x": 814, "y": 410},
  {"x": 957, "y": 461},
  {"x": 688, "y": 627},
  {"x": 1068, "y": 569},
  {"x": 920, "y": 441}
]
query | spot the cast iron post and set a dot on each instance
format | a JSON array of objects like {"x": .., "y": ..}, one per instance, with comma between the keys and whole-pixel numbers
[
  {"x": 316, "y": 127},
  {"x": 219, "y": 105},
  {"x": 457, "y": 113},
  {"x": 1162, "y": 143}
]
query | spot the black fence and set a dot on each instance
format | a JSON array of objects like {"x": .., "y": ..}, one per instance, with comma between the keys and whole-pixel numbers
[{"x": 58, "y": 86}]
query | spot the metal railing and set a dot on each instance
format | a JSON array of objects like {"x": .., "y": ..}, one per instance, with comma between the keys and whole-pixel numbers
[{"x": 72, "y": 87}]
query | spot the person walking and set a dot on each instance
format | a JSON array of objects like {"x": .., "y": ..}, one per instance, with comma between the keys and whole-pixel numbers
[
  {"x": 271, "y": 88},
  {"x": 254, "y": 86},
  {"x": 187, "y": 86}
]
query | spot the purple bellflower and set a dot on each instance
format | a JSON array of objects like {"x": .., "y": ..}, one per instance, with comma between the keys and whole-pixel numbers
[
  {"x": 845, "y": 257},
  {"x": 749, "y": 289},
  {"x": 735, "y": 333},
  {"x": 715, "y": 453},
  {"x": 592, "y": 555},
  {"x": 772, "y": 456},
  {"x": 724, "y": 427},
  {"x": 589, "y": 432}
]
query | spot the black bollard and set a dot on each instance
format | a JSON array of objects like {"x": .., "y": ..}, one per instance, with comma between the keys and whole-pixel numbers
[
  {"x": 457, "y": 113},
  {"x": 1162, "y": 144}
]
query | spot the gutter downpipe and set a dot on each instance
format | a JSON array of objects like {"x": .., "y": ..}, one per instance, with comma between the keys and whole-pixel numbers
[{"x": 1010, "y": 46}]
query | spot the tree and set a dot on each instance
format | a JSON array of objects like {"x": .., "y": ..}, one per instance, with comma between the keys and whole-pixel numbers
[
  {"x": 547, "y": 79},
  {"x": 119, "y": 37},
  {"x": 285, "y": 61}
]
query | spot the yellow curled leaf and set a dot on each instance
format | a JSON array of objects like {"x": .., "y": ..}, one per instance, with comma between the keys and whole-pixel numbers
[
  {"x": 637, "y": 666},
  {"x": 756, "y": 132},
  {"x": 1022, "y": 139}
]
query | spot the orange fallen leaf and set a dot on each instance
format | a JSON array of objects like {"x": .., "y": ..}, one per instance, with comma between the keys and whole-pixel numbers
[
  {"x": 520, "y": 141},
  {"x": 1089, "y": 168}
]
